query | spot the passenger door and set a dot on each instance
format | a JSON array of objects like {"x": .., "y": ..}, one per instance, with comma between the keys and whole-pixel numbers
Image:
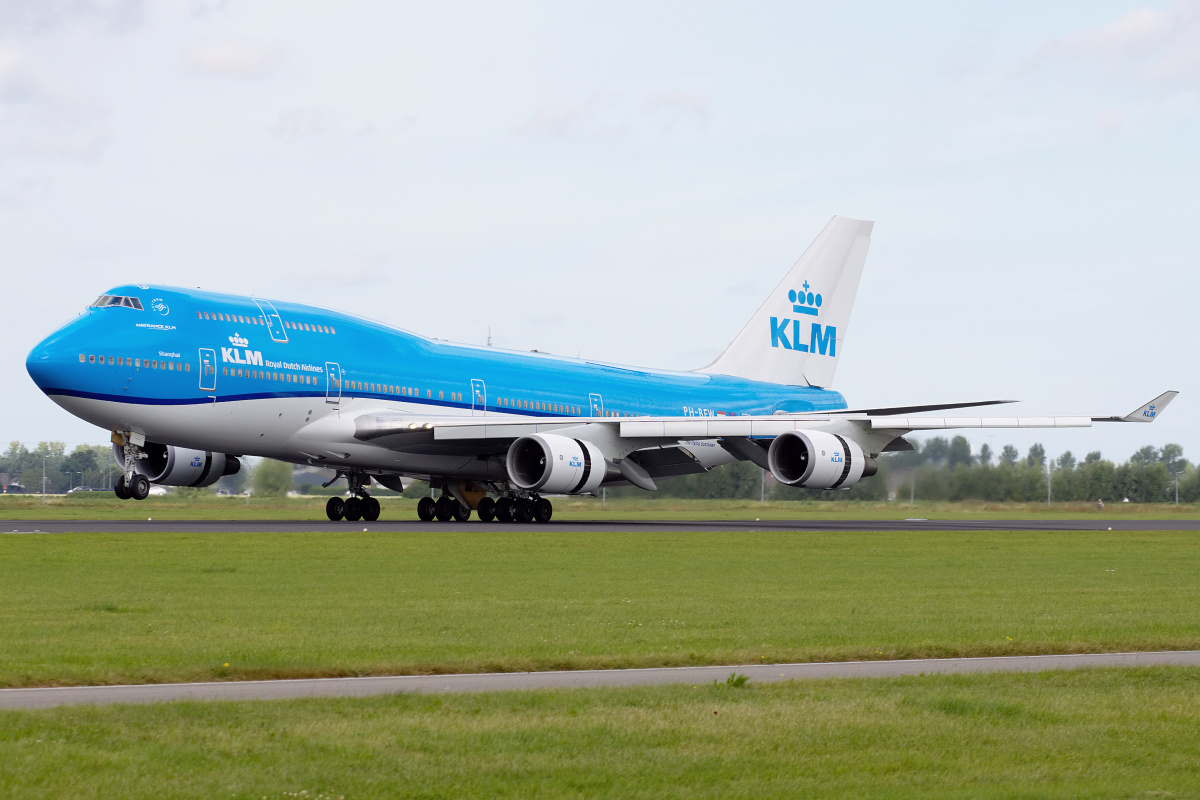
[
  {"x": 274, "y": 323},
  {"x": 597, "y": 405},
  {"x": 478, "y": 398},
  {"x": 208, "y": 370},
  {"x": 333, "y": 382}
]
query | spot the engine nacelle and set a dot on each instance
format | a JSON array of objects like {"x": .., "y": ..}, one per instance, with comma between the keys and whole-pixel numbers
[
  {"x": 818, "y": 460},
  {"x": 168, "y": 465},
  {"x": 547, "y": 462}
]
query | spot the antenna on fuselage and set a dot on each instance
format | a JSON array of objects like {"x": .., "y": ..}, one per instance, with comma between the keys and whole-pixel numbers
[{"x": 489, "y": 343}]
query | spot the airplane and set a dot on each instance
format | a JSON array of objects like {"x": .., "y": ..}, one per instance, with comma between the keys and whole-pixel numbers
[{"x": 189, "y": 382}]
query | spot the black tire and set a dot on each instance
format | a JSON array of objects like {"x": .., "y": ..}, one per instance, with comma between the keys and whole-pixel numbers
[
  {"x": 352, "y": 509},
  {"x": 444, "y": 508},
  {"x": 426, "y": 509},
  {"x": 370, "y": 509},
  {"x": 524, "y": 511},
  {"x": 119, "y": 488},
  {"x": 505, "y": 510},
  {"x": 461, "y": 513},
  {"x": 486, "y": 510},
  {"x": 333, "y": 508},
  {"x": 542, "y": 510},
  {"x": 139, "y": 487}
]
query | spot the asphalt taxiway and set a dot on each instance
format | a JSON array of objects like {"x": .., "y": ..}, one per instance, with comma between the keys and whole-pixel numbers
[
  {"x": 516, "y": 681},
  {"x": 590, "y": 526}
]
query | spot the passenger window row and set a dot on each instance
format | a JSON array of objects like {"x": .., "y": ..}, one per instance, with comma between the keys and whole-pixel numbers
[
  {"x": 136, "y": 363},
  {"x": 264, "y": 375},
  {"x": 221, "y": 316},
  {"x": 537, "y": 405}
]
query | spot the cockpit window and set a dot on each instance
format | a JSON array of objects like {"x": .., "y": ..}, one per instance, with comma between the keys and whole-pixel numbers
[{"x": 105, "y": 300}]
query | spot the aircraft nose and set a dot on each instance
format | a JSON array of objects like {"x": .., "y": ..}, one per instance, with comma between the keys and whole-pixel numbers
[{"x": 46, "y": 362}]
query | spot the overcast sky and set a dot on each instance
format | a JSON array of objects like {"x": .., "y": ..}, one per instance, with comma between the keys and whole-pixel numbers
[{"x": 627, "y": 181}]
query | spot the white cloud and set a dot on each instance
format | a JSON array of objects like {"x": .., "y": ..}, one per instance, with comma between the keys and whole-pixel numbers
[
  {"x": 46, "y": 16},
  {"x": 318, "y": 127},
  {"x": 574, "y": 121},
  {"x": 672, "y": 107},
  {"x": 24, "y": 192},
  {"x": 232, "y": 59},
  {"x": 1158, "y": 45},
  {"x": 43, "y": 119}
]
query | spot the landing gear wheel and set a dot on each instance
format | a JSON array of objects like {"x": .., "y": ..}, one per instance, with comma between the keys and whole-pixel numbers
[
  {"x": 333, "y": 509},
  {"x": 542, "y": 510},
  {"x": 352, "y": 509},
  {"x": 444, "y": 509},
  {"x": 139, "y": 488},
  {"x": 461, "y": 513},
  {"x": 370, "y": 509},
  {"x": 119, "y": 488},
  {"x": 426, "y": 509},
  {"x": 505, "y": 510},
  {"x": 486, "y": 509},
  {"x": 524, "y": 513}
]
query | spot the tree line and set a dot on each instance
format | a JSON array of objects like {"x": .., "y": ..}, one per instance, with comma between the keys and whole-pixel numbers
[
  {"x": 946, "y": 469},
  {"x": 936, "y": 469}
]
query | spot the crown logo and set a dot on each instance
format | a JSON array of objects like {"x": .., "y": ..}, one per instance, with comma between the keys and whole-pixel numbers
[
  {"x": 237, "y": 341},
  {"x": 804, "y": 301}
]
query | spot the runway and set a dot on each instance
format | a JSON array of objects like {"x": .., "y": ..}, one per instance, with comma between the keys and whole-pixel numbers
[
  {"x": 591, "y": 526},
  {"x": 516, "y": 681}
]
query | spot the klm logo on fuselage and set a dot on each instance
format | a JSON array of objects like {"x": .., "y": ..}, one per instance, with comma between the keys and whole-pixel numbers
[
  {"x": 234, "y": 355},
  {"x": 785, "y": 333},
  {"x": 251, "y": 358}
]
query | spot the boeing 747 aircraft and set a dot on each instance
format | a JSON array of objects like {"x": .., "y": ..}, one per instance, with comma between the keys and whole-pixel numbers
[{"x": 188, "y": 382}]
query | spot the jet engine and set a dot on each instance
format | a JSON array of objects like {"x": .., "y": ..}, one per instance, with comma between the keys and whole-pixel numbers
[
  {"x": 168, "y": 465},
  {"x": 818, "y": 460},
  {"x": 555, "y": 464}
]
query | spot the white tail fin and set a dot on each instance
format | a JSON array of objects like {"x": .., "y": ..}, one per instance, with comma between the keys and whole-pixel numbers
[{"x": 797, "y": 335}]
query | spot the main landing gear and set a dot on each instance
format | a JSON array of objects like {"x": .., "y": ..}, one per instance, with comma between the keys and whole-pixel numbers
[
  {"x": 130, "y": 484},
  {"x": 360, "y": 504},
  {"x": 506, "y": 508}
]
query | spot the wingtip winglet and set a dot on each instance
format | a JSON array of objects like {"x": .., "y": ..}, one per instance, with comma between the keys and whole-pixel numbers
[{"x": 1150, "y": 411}]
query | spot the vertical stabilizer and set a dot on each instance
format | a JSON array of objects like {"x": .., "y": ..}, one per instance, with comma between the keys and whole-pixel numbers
[{"x": 798, "y": 334}]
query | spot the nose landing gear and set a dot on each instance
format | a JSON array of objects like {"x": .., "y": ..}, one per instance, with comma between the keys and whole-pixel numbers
[{"x": 131, "y": 483}]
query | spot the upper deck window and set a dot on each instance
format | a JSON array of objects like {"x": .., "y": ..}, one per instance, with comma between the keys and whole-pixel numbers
[{"x": 105, "y": 300}]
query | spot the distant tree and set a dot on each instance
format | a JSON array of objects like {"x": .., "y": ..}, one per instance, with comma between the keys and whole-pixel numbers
[
  {"x": 1008, "y": 456},
  {"x": 1145, "y": 456},
  {"x": 1066, "y": 461},
  {"x": 959, "y": 453},
  {"x": 985, "y": 455},
  {"x": 936, "y": 449},
  {"x": 1037, "y": 455},
  {"x": 272, "y": 478},
  {"x": 1092, "y": 457},
  {"x": 1172, "y": 458}
]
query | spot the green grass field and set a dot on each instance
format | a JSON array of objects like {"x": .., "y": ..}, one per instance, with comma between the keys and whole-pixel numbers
[
  {"x": 135, "y": 607},
  {"x": 1087, "y": 734},
  {"x": 103, "y": 505}
]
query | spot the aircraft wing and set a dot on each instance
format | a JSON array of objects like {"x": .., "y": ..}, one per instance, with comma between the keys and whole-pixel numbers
[{"x": 400, "y": 430}]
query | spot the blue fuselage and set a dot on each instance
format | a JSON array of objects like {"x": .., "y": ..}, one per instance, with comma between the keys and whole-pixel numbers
[{"x": 184, "y": 348}]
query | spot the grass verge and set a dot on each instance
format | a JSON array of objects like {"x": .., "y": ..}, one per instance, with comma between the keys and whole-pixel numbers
[
  {"x": 1092, "y": 733},
  {"x": 105, "y": 506},
  {"x": 154, "y": 607}
]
